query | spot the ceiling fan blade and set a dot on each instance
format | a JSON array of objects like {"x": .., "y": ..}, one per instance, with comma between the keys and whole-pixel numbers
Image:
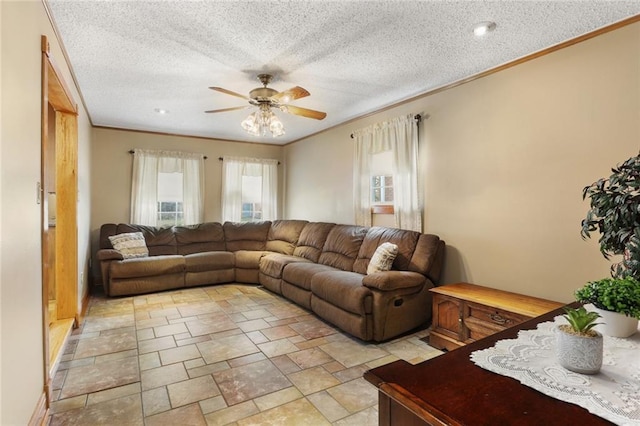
[
  {"x": 229, "y": 92},
  {"x": 291, "y": 94},
  {"x": 304, "y": 112},
  {"x": 227, "y": 109}
]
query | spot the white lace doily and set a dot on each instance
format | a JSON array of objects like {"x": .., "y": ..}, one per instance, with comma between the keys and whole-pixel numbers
[{"x": 613, "y": 393}]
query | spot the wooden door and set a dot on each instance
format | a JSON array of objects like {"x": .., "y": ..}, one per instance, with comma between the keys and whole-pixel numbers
[
  {"x": 60, "y": 248},
  {"x": 66, "y": 241}
]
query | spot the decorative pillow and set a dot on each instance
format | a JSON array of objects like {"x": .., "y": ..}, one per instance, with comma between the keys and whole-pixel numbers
[
  {"x": 130, "y": 245},
  {"x": 383, "y": 258}
]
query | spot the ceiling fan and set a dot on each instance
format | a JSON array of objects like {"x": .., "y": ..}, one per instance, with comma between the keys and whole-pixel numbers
[{"x": 267, "y": 98}]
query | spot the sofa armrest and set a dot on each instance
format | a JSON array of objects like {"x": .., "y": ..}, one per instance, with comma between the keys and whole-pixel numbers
[
  {"x": 393, "y": 280},
  {"x": 106, "y": 256},
  {"x": 109, "y": 254}
]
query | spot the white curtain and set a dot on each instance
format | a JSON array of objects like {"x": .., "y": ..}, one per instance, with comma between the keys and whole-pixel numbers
[
  {"x": 144, "y": 188},
  {"x": 193, "y": 189},
  {"x": 233, "y": 193},
  {"x": 144, "y": 184},
  {"x": 232, "y": 189},
  {"x": 399, "y": 135}
]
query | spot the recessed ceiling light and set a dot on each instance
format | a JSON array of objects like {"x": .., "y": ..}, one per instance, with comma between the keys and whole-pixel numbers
[
  {"x": 161, "y": 111},
  {"x": 482, "y": 28}
]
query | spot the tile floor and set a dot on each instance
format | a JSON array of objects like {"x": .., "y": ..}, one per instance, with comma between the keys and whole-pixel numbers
[{"x": 226, "y": 354}]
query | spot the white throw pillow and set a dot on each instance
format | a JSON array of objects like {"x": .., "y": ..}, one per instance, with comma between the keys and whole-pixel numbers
[
  {"x": 130, "y": 245},
  {"x": 383, "y": 258}
]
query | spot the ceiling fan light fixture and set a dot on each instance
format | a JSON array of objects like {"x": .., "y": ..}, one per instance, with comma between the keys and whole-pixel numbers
[
  {"x": 254, "y": 131},
  {"x": 276, "y": 126},
  {"x": 263, "y": 121},
  {"x": 249, "y": 123}
]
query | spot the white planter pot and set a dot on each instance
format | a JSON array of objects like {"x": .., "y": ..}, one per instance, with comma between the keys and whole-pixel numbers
[
  {"x": 614, "y": 324},
  {"x": 579, "y": 353}
]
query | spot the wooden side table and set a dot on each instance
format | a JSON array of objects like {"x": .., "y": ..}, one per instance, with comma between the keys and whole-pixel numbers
[{"x": 464, "y": 313}]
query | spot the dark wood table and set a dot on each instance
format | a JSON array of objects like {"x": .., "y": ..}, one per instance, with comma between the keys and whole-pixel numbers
[{"x": 451, "y": 390}]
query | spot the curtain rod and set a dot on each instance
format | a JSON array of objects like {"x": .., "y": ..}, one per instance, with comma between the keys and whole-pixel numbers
[
  {"x": 416, "y": 117},
  {"x": 132, "y": 152},
  {"x": 222, "y": 159}
]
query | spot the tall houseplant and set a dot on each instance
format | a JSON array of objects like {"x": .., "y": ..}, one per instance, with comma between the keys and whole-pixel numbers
[{"x": 615, "y": 213}]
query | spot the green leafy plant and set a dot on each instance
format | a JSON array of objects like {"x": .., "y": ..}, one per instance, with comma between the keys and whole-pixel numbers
[
  {"x": 620, "y": 295},
  {"x": 581, "y": 320},
  {"x": 615, "y": 213}
]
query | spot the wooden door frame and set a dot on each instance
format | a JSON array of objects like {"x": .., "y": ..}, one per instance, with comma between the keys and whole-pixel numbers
[{"x": 56, "y": 93}]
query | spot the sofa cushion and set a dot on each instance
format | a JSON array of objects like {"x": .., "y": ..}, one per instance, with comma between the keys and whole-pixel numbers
[
  {"x": 209, "y": 261},
  {"x": 147, "y": 266},
  {"x": 107, "y": 230},
  {"x": 130, "y": 245},
  {"x": 246, "y": 236},
  {"x": 360, "y": 326},
  {"x": 312, "y": 239},
  {"x": 343, "y": 289},
  {"x": 199, "y": 238},
  {"x": 140, "y": 285},
  {"x": 404, "y": 239},
  {"x": 109, "y": 254},
  {"x": 248, "y": 259},
  {"x": 428, "y": 258},
  {"x": 382, "y": 258},
  {"x": 300, "y": 274},
  {"x": 284, "y": 234},
  {"x": 159, "y": 240},
  {"x": 342, "y": 246},
  {"x": 192, "y": 279},
  {"x": 273, "y": 264}
]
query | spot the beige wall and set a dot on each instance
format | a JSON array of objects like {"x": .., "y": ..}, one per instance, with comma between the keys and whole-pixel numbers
[
  {"x": 85, "y": 146},
  {"x": 111, "y": 166},
  {"x": 1, "y": 209},
  {"x": 504, "y": 160},
  {"x": 21, "y": 322}
]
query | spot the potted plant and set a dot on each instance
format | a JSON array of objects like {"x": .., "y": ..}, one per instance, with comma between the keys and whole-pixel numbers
[
  {"x": 578, "y": 345},
  {"x": 615, "y": 213},
  {"x": 617, "y": 300}
]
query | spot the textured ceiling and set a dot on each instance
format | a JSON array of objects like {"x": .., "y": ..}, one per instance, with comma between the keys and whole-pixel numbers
[{"x": 355, "y": 57}]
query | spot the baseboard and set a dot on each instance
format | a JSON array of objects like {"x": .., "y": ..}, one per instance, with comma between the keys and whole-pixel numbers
[
  {"x": 39, "y": 416},
  {"x": 83, "y": 308}
]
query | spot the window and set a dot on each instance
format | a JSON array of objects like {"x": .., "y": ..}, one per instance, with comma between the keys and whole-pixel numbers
[
  {"x": 251, "y": 212},
  {"x": 170, "y": 200},
  {"x": 385, "y": 171},
  {"x": 249, "y": 189},
  {"x": 170, "y": 213},
  {"x": 167, "y": 188},
  {"x": 251, "y": 199},
  {"x": 382, "y": 183},
  {"x": 382, "y": 189}
]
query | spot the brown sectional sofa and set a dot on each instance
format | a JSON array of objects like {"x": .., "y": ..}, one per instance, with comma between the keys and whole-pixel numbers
[{"x": 319, "y": 266}]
